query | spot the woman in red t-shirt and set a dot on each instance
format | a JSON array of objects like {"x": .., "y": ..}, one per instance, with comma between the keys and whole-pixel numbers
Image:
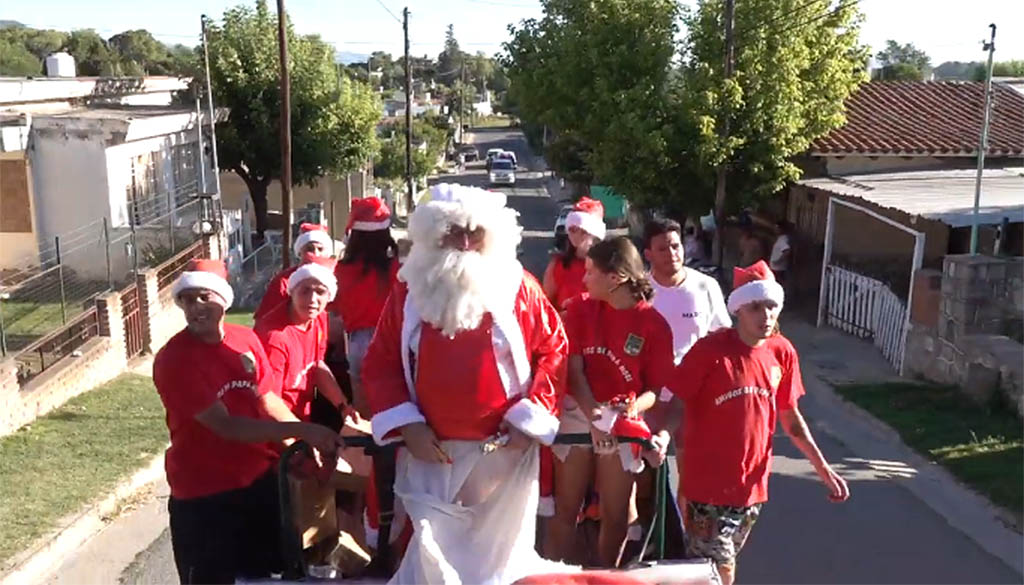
[
  {"x": 312, "y": 242},
  {"x": 223, "y": 417},
  {"x": 620, "y": 357},
  {"x": 295, "y": 340},
  {"x": 365, "y": 273},
  {"x": 563, "y": 278}
]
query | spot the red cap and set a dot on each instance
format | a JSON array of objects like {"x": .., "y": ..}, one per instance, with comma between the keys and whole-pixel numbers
[
  {"x": 368, "y": 214},
  {"x": 312, "y": 227},
  {"x": 216, "y": 267},
  {"x": 754, "y": 272},
  {"x": 591, "y": 206}
]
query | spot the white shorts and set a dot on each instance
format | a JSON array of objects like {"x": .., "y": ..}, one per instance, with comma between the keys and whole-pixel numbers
[{"x": 573, "y": 420}]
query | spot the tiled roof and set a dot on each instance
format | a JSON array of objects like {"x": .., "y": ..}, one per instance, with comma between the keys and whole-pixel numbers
[{"x": 940, "y": 118}]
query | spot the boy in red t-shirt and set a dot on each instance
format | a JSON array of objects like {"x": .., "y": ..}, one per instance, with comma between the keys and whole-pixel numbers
[
  {"x": 734, "y": 384},
  {"x": 295, "y": 339},
  {"x": 215, "y": 383}
]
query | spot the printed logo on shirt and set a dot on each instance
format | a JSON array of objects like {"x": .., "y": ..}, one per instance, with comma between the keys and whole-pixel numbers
[
  {"x": 633, "y": 345},
  {"x": 775, "y": 376},
  {"x": 742, "y": 391},
  {"x": 690, "y": 315},
  {"x": 234, "y": 384},
  {"x": 248, "y": 362},
  {"x": 613, "y": 358}
]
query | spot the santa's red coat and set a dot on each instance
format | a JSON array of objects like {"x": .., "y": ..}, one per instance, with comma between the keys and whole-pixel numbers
[{"x": 459, "y": 388}]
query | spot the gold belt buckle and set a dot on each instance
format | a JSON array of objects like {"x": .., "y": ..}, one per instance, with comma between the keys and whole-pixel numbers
[{"x": 494, "y": 443}]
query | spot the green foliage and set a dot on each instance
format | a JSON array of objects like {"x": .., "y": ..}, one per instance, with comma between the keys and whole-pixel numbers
[
  {"x": 898, "y": 72},
  {"x": 567, "y": 155},
  {"x": 999, "y": 69},
  {"x": 92, "y": 55},
  {"x": 332, "y": 117},
  {"x": 648, "y": 114},
  {"x": 428, "y": 143},
  {"x": 895, "y": 54},
  {"x": 17, "y": 61}
]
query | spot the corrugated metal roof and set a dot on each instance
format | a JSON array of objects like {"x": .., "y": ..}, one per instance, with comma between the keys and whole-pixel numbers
[{"x": 947, "y": 196}]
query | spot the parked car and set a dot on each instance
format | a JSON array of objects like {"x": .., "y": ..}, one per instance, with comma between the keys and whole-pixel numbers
[
  {"x": 469, "y": 153},
  {"x": 492, "y": 152},
  {"x": 502, "y": 172},
  {"x": 561, "y": 235}
]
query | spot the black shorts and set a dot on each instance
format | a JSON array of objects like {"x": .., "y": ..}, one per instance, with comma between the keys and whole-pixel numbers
[{"x": 227, "y": 535}]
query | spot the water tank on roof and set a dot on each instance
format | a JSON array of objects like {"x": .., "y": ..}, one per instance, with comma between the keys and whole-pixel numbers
[{"x": 60, "y": 65}]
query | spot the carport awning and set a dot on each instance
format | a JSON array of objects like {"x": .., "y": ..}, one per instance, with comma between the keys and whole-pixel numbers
[{"x": 944, "y": 195}]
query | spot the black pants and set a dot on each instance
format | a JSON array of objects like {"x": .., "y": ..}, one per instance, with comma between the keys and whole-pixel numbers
[{"x": 227, "y": 535}]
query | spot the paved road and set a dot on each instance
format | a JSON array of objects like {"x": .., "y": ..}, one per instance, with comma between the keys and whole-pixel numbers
[{"x": 882, "y": 535}]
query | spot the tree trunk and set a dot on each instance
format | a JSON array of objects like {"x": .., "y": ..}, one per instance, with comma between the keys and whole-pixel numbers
[{"x": 258, "y": 193}]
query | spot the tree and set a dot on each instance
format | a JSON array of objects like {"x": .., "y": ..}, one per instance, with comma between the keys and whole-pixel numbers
[
  {"x": 17, "y": 61},
  {"x": 449, "y": 62},
  {"x": 92, "y": 56},
  {"x": 902, "y": 62},
  {"x": 428, "y": 142},
  {"x": 999, "y": 69},
  {"x": 333, "y": 118},
  {"x": 775, "y": 111}
]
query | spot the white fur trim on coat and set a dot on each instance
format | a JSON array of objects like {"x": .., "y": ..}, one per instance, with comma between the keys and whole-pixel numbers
[
  {"x": 393, "y": 418},
  {"x": 588, "y": 222},
  {"x": 371, "y": 226},
  {"x": 321, "y": 273},
  {"x": 204, "y": 280},
  {"x": 534, "y": 420},
  {"x": 320, "y": 236},
  {"x": 756, "y": 290}
]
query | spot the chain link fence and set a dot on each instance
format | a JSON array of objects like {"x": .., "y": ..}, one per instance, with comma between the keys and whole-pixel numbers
[{"x": 39, "y": 299}]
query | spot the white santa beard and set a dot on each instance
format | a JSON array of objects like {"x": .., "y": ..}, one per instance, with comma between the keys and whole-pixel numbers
[{"x": 453, "y": 289}]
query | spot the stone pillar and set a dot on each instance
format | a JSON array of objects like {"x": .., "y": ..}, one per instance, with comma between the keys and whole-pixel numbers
[
  {"x": 111, "y": 319},
  {"x": 10, "y": 395},
  {"x": 149, "y": 306},
  {"x": 927, "y": 297}
]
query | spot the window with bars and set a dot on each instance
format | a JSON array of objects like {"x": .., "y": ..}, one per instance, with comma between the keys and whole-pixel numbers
[{"x": 184, "y": 159}]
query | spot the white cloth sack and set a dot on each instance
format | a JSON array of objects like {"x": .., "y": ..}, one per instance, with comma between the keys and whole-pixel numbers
[{"x": 474, "y": 521}]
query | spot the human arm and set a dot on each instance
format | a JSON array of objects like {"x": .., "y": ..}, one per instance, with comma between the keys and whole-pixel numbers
[
  {"x": 547, "y": 348},
  {"x": 549, "y": 284},
  {"x": 328, "y": 385},
  {"x": 394, "y": 415},
  {"x": 246, "y": 429},
  {"x": 795, "y": 427}
]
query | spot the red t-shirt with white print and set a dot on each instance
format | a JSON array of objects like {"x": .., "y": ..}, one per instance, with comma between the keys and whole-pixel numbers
[
  {"x": 293, "y": 351},
  {"x": 190, "y": 377},
  {"x": 623, "y": 350},
  {"x": 733, "y": 393}
]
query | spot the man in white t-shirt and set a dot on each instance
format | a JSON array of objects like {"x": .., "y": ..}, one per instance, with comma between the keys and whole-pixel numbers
[{"x": 688, "y": 299}]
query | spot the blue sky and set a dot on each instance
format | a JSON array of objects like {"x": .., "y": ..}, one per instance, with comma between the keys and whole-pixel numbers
[{"x": 945, "y": 29}]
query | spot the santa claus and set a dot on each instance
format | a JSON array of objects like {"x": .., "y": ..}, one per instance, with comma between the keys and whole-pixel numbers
[{"x": 466, "y": 367}]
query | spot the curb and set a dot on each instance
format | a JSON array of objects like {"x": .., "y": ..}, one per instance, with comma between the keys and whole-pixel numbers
[
  {"x": 45, "y": 555},
  {"x": 964, "y": 509}
]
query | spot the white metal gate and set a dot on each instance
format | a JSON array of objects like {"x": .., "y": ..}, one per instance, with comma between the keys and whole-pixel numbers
[
  {"x": 866, "y": 307},
  {"x": 863, "y": 306}
]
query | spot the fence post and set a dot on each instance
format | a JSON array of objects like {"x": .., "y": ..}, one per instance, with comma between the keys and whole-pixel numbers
[
  {"x": 60, "y": 278},
  {"x": 134, "y": 241},
  {"x": 3, "y": 333},
  {"x": 170, "y": 220},
  {"x": 106, "y": 248}
]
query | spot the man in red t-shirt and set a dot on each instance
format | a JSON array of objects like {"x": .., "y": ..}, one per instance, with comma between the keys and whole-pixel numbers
[
  {"x": 734, "y": 384},
  {"x": 213, "y": 378},
  {"x": 313, "y": 242}
]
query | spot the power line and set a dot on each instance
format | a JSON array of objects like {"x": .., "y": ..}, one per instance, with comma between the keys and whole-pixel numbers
[
  {"x": 492, "y": 3},
  {"x": 839, "y": 8},
  {"x": 783, "y": 16},
  {"x": 385, "y": 7}
]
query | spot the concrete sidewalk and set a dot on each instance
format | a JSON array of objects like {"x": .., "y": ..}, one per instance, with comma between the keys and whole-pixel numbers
[{"x": 830, "y": 357}]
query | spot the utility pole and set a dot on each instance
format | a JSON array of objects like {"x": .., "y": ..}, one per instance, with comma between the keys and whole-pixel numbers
[
  {"x": 286, "y": 136},
  {"x": 716, "y": 248},
  {"x": 213, "y": 115},
  {"x": 408, "y": 114},
  {"x": 990, "y": 46}
]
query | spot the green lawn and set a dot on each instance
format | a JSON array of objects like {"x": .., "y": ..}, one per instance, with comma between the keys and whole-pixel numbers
[
  {"x": 491, "y": 122},
  {"x": 75, "y": 455},
  {"x": 239, "y": 317},
  {"x": 983, "y": 447},
  {"x": 32, "y": 318}
]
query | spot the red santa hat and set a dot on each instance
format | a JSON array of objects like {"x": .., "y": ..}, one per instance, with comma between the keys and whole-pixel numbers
[
  {"x": 451, "y": 204},
  {"x": 588, "y": 215},
  {"x": 754, "y": 283},
  {"x": 320, "y": 269},
  {"x": 312, "y": 232},
  {"x": 369, "y": 214},
  {"x": 202, "y": 273}
]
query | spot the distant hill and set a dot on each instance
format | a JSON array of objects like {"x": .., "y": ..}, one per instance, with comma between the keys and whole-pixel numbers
[
  {"x": 347, "y": 57},
  {"x": 11, "y": 24},
  {"x": 956, "y": 70}
]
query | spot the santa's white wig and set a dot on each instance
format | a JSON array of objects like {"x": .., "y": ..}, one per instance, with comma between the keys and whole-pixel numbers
[{"x": 452, "y": 289}]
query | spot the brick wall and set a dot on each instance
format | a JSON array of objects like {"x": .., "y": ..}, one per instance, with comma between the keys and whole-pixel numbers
[
  {"x": 972, "y": 339},
  {"x": 100, "y": 360}
]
